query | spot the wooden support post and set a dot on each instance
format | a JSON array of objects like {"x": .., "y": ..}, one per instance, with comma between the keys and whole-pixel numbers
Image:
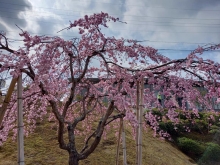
[
  {"x": 124, "y": 144},
  {"x": 20, "y": 123},
  {"x": 137, "y": 114},
  {"x": 121, "y": 131},
  {"x": 7, "y": 99},
  {"x": 140, "y": 123}
]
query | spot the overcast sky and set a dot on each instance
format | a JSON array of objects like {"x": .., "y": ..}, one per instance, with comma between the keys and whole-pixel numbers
[{"x": 171, "y": 26}]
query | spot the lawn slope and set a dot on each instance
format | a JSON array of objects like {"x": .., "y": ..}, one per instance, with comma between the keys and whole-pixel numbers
[{"x": 41, "y": 148}]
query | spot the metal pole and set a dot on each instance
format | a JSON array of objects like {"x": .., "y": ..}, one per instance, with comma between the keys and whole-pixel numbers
[{"x": 20, "y": 123}]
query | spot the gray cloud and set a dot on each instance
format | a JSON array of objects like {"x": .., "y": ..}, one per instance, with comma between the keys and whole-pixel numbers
[
  {"x": 174, "y": 20},
  {"x": 9, "y": 13},
  {"x": 175, "y": 23}
]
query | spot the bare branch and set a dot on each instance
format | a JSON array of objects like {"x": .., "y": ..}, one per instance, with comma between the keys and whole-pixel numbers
[
  {"x": 87, "y": 142},
  {"x": 115, "y": 117},
  {"x": 6, "y": 41},
  {"x": 99, "y": 132}
]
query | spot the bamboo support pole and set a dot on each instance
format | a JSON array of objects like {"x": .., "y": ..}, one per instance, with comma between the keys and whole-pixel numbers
[
  {"x": 137, "y": 115},
  {"x": 118, "y": 144},
  {"x": 124, "y": 144},
  {"x": 140, "y": 123},
  {"x": 20, "y": 123}
]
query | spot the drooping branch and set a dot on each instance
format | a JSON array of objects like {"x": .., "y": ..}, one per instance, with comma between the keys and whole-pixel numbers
[
  {"x": 146, "y": 69},
  {"x": 194, "y": 74}
]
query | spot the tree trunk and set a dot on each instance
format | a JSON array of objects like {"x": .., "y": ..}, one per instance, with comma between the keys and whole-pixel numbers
[
  {"x": 73, "y": 154},
  {"x": 73, "y": 158}
]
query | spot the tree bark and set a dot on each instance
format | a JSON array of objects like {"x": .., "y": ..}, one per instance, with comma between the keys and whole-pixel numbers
[
  {"x": 73, "y": 158},
  {"x": 73, "y": 154}
]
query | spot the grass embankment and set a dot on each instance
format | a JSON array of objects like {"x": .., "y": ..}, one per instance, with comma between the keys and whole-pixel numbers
[{"x": 41, "y": 148}]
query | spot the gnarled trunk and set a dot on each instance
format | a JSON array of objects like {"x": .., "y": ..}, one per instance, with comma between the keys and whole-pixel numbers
[{"x": 73, "y": 158}]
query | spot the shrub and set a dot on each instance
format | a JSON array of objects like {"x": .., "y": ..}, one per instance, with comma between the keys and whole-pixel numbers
[
  {"x": 182, "y": 116},
  {"x": 168, "y": 127},
  {"x": 214, "y": 129},
  {"x": 174, "y": 129},
  {"x": 200, "y": 126},
  {"x": 218, "y": 124},
  {"x": 211, "y": 154},
  {"x": 190, "y": 146},
  {"x": 157, "y": 112},
  {"x": 201, "y": 115}
]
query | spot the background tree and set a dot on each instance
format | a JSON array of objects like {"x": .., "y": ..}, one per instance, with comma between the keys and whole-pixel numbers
[{"x": 60, "y": 74}]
